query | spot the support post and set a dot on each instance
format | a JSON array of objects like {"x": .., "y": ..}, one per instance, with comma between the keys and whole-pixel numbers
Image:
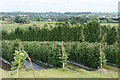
[
  {"x": 63, "y": 65},
  {"x": 100, "y": 58}
]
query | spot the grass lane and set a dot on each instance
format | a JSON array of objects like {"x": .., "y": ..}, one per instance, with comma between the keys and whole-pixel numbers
[{"x": 62, "y": 73}]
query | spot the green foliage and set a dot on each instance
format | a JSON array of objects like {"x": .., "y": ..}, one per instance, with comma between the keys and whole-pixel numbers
[
  {"x": 4, "y": 32},
  {"x": 8, "y": 49},
  {"x": 19, "y": 31},
  {"x": 62, "y": 32},
  {"x": 108, "y": 20},
  {"x": 38, "y": 19},
  {"x": 51, "y": 52},
  {"x": 65, "y": 31},
  {"x": 111, "y": 35},
  {"x": 19, "y": 19},
  {"x": 82, "y": 20},
  {"x": 92, "y": 31},
  {"x": 85, "y": 53},
  {"x": 19, "y": 60},
  {"x": 103, "y": 21},
  {"x": 112, "y": 53},
  {"x": 48, "y": 52},
  {"x": 75, "y": 20}
]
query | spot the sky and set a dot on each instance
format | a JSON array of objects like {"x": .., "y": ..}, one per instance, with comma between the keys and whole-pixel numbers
[{"x": 59, "y": 5}]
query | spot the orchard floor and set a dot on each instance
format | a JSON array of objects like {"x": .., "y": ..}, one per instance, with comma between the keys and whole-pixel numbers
[{"x": 72, "y": 72}]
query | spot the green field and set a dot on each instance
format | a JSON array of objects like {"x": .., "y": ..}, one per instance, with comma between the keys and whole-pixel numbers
[
  {"x": 72, "y": 72},
  {"x": 111, "y": 24},
  {"x": 11, "y": 26}
]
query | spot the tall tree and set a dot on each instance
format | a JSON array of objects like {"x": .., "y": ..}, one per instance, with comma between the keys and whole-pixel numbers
[
  {"x": 111, "y": 35},
  {"x": 19, "y": 19},
  {"x": 92, "y": 31}
]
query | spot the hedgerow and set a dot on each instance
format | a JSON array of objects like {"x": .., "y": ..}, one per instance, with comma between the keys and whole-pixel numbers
[
  {"x": 112, "y": 53},
  {"x": 92, "y": 31},
  {"x": 62, "y": 32},
  {"x": 8, "y": 48},
  {"x": 85, "y": 53},
  {"x": 89, "y": 53},
  {"x": 46, "y": 52},
  {"x": 51, "y": 52}
]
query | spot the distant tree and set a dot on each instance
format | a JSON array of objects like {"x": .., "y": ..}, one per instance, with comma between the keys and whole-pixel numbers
[
  {"x": 19, "y": 30},
  {"x": 38, "y": 19},
  {"x": 79, "y": 31},
  {"x": 4, "y": 32},
  {"x": 45, "y": 26},
  {"x": 92, "y": 31},
  {"x": 111, "y": 35},
  {"x": 34, "y": 25},
  {"x": 104, "y": 30},
  {"x": 109, "y": 20},
  {"x": 19, "y": 19},
  {"x": 103, "y": 21},
  {"x": 51, "y": 26}
]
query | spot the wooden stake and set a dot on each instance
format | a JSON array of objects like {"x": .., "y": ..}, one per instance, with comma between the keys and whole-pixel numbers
[
  {"x": 100, "y": 58},
  {"x": 63, "y": 55},
  {"x": 19, "y": 46},
  {"x": 19, "y": 61},
  {"x": 29, "y": 59},
  {"x": 30, "y": 63}
]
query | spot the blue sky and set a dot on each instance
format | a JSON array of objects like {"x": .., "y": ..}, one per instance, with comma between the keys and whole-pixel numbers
[{"x": 59, "y": 5}]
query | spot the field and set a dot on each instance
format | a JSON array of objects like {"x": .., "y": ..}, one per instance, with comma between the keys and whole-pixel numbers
[
  {"x": 87, "y": 53},
  {"x": 11, "y": 26},
  {"x": 72, "y": 72},
  {"x": 111, "y": 24}
]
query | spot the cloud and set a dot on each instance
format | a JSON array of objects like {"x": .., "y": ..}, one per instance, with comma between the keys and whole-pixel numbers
[{"x": 59, "y": 5}]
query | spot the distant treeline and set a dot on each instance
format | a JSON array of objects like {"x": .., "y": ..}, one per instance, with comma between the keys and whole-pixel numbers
[
  {"x": 28, "y": 13},
  {"x": 82, "y": 20},
  {"x": 74, "y": 20},
  {"x": 108, "y": 20},
  {"x": 77, "y": 13},
  {"x": 91, "y": 32},
  {"x": 61, "y": 17},
  {"x": 43, "y": 13}
]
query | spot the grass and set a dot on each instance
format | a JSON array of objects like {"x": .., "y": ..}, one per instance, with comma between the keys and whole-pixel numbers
[
  {"x": 111, "y": 67},
  {"x": 62, "y": 73},
  {"x": 6, "y": 25},
  {"x": 112, "y": 24},
  {"x": 11, "y": 26}
]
